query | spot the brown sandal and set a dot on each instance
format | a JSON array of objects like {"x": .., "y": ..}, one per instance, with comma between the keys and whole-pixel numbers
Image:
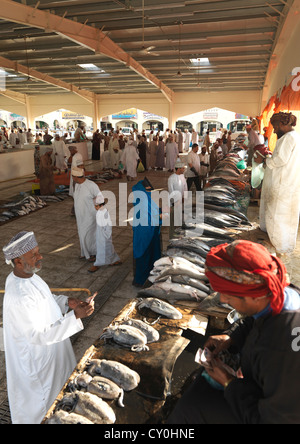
[{"x": 93, "y": 269}]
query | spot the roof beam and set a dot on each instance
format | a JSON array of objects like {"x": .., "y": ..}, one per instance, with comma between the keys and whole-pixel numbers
[
  {"x": 16, "y": 96},
  {"x": 8, "y": 64},
  {"x": 82, "y": 34}
]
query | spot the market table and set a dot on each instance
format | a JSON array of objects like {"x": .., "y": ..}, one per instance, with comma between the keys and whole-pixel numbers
[{"x": 155, "y": 367}]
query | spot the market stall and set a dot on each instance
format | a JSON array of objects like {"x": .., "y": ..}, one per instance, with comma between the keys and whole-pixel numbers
[
  {"x": 178, "y": 281},
  {"x": 154, "y": 366}
]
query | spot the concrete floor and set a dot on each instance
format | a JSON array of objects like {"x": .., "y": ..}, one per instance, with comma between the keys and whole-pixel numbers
[{"x": 56, "y": 232}]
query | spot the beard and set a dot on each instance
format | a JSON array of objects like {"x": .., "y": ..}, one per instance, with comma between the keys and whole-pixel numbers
[
  {"x": 28, "y": 269},
  {"x": 280, "y": 133}
]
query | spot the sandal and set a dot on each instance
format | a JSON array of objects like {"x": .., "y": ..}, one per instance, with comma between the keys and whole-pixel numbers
[
  {"x": 93, "y": 269},
  {"x": 116, "y": 263}
]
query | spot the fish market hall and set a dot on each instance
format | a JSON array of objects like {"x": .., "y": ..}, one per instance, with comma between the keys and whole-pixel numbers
[{"x": 149, "y": 214}]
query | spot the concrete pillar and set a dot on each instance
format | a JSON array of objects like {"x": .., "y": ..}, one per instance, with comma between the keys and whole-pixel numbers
[
  {"x": 96, "y": 119},
  {"x": 29, "y": 117}
]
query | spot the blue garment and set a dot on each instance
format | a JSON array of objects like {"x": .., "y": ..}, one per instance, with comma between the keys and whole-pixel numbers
[
  {"x": 291, "y": 302},
  {"x": 146, "y": 219}
]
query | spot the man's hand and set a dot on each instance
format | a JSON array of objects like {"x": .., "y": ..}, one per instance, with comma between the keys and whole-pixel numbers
[
  {"x": 84, "y": 310},
  {"x": 218, "y": 373},
  {"x": 219, "y": 343}
]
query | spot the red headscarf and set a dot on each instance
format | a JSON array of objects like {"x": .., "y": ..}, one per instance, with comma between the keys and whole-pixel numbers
[{"x": 247, "y": 269}]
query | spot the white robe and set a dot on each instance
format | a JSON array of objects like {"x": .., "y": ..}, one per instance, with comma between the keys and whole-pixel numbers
[
  {"x": 129, "y": 159},
  {"x": 86, "y": 216},
  {"x": 187, "y": 140},
  {"x": 114, "y": 155},
  {"x": 38, "y": 352},
  {"x": 77, "y": 160},
  {"x": 106, "y": 254},
  {"x": 177, "y": 186},
  {"x": 280, "y": 200},
  {"x": 171, "y": 155},
  {"x": 61, "y": 154}
]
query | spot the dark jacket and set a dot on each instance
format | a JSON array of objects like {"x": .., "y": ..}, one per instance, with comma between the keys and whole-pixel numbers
[{"x": 270, "y": 390}]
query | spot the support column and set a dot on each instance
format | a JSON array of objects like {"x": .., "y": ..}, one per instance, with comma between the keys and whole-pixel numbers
[
  {"x": 30, "y": 120},
  {"x": 96, "y": 119},
  {"x": 172, "y": 122}
]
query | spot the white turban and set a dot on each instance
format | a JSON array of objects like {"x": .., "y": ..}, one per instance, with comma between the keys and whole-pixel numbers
[
  {"x": 77, "y": 172},
  {"x": 20, "y": 244}
]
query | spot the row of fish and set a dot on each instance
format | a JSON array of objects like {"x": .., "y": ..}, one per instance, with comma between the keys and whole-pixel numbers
[
  {"x": 180, "y": 274},
  {"x": 135, "y": 333},
  {"x": 88, "y": 402},
  {"x": 103, "y": 177},
  {"x": 21, "y": 207},
  {"x": 91, "y": 392}
]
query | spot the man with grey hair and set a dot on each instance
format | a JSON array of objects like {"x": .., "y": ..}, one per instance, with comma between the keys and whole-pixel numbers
[{"x": 37, "y": 327}]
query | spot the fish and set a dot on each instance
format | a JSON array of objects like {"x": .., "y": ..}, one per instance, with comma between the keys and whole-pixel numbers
[
  {"x": 186, "y": 254},
  {"x": 52, "y": 198},
  {"x": 197, "y": 230},
  {"x": 119, "y": 373},
  {"x": 219, "y": 220},
  {"x": 127, "y": 336},
  {"x": 90, "y": 406},
  {"x": 219, "y": 199},
  {"x": 62, "y": 417},
  {"x": 180, "y": 266},
  {"x": 151, "y": 333},
  {"x": 99, "y": 386},
  {"x": 196, "y": 283},
  {"x": 191, "y": 244},
  {"x": 180, "y": 291},
  {"x": 160, "y": 307},
  {"x": 244, "y": 219}
]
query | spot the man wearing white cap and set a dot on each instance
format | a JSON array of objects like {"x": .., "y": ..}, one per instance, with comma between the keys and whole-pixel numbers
[
  {"x": 84, "y": 195},
  {"x": 177, "y": 187},
  {"x": 37, "y": 327}
]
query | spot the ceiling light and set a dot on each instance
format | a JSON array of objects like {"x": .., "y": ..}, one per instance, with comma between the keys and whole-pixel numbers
[
  {"x": 199, "y": 61},
  {"x": 90, "y": 66}
]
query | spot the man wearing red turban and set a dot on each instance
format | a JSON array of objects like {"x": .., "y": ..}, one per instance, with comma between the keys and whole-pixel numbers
[{"x": 266, "y": 390}]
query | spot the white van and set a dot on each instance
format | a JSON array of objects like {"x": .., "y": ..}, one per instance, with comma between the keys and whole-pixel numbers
[{"x": 126, "y": 131}]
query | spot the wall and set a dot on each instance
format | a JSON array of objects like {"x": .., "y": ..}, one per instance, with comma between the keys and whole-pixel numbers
[
  {"x": 285, "y": 56},
  {"x": 243, "y": 102}
]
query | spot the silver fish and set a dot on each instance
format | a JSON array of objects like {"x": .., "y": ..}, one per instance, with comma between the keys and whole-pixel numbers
[
  {"x": 62, "y": 417},
  {"x": 160, "y": 307},
  {"x": 99, "y": 386},
  {"x": 90, "y": 406},
  {"x": 127, "y": 336},
  {"x": 186, "y": 254},
  {"x": 151, "y": 333},
  {"x": 119, "y": 373},
  {"x": 173, "y": 292},
  {"x": 192, "y": 282}
]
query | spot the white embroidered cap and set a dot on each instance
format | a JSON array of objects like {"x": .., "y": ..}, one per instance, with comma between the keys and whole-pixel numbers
[{"x": 20, "y": 244}]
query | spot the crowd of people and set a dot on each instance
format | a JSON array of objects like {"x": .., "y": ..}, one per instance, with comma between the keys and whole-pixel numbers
[{"x": 38, "y": 325}]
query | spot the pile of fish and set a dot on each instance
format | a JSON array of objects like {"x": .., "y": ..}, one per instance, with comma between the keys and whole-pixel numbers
[
  {"x": 227, "y": 168},
  {"x": 103, "y": 177},
  {"x": 20, "y": 208},
  {"x": 132, "y": 333},
  {"x": 91, "y": 393},
  {"x": 180, "y": 274},
  {"x": 177, "y": 278}
]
